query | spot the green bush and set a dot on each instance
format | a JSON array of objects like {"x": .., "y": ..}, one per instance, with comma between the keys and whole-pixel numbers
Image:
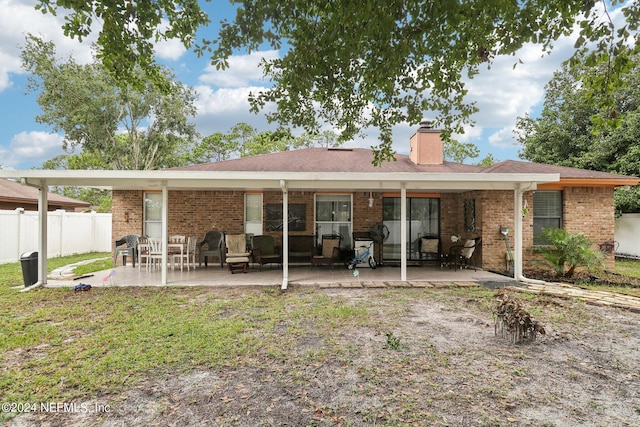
[{"x": 564, "y": 252}]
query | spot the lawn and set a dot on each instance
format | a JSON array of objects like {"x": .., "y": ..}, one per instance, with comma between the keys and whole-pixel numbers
[{"x": 382, "y": 345}]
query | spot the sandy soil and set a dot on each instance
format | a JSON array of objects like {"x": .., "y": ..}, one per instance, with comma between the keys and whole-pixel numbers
[{"x": 449, "y": 368}]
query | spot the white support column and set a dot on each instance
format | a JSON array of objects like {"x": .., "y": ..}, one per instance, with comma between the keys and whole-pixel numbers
[
  {"x": 165, "y": 233},
  {"x": 43, "y": 207},
  {"x": 403, "y": 233},
  {"x": 285, "y": 235},
  {"x": 517, "y": 233}
]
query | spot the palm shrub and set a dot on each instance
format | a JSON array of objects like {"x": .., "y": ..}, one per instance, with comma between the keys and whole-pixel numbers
[{"x": 564, "y": 252}]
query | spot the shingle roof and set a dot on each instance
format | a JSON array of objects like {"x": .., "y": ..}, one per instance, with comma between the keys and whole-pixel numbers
[
  {"x": 360, "y": 160},
  {"x": 516, "y": 166},
  {"x": 13, "y": 191},
  {"x": 327, "y": 160}
]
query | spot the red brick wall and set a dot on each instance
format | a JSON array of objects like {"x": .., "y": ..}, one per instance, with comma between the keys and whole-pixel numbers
[
  {"x": 589, "y": 210},
  {"x": 196, "y": 212}
]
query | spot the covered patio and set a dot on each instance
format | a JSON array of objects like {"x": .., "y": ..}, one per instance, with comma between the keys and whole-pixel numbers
[
  {"x": 339, "y": 276},
  {"x": 284, "y": 182}
]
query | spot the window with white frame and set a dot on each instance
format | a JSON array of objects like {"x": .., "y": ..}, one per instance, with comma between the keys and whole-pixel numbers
[
  {"x": 333, "y": 217},
  {"x": 153, "y": 215},
  {"x": 547, "y": 213},
  {"x": 253, "y": 214}
]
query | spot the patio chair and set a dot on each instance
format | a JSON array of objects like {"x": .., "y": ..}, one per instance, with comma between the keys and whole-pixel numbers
[
  {"x": 462, "y": 255},
  {"x": 190, "y": 254},
  {"x": 155, "y": 252},
  {"x": 265, "y": 251},
  {"x": 131, "y": 240},
  {"x": 237, "y": 257},
  {"x": 429, "y": 249},
  {"x": 176, "y": 250},
  {"x": 330, "y": 252},
  {"x": 214, "y": 242}
]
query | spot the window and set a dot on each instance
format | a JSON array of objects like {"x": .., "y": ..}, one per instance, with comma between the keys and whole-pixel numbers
[
  {"x": 153, "y": 215},
  {"x": 333, "y": 216},
  {"x": 253, "y": 214},
  {"x": 547, "y": 213}
]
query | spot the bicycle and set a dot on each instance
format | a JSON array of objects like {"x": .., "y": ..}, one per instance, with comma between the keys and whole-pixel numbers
[{"x": 363, "y": 254}]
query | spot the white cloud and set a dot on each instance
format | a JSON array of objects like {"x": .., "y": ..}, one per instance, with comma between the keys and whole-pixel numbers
[
  {"x": 33, "y": 147},
  {"x": 503, "y": 138},
  {"x": 170, "y": 50},
  {"x": 18, "y": 18},
  {"x": 243, "y": 70}
]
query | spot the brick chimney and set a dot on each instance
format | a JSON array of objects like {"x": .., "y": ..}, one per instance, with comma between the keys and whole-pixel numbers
[{"x": 426, "y": 145}]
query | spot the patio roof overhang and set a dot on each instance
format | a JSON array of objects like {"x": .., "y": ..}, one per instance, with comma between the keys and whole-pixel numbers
[
  {"x": 149, "y": 180},
  {"x": 280, "y": 181}
]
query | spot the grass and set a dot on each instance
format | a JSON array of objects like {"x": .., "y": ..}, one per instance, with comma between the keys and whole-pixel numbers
[
  {"x": 628, "y": 268},
  {"x": 57, "y": 345}
]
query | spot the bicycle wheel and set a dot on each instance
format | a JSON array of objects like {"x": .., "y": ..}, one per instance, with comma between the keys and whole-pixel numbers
[{"x": 372, "y": 262}]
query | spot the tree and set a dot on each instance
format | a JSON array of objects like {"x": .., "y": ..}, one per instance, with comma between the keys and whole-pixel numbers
[
  {"x": 571, "y": 131},
  {"x": 243, "y": 140},
  {"x": 99, "y": 199},
  {"x": 361, "y": 64},
  {"x": 126, "y": 127}
]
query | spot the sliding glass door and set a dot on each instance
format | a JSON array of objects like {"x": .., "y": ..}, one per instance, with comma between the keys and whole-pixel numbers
[{"x": 423, "y": 219}]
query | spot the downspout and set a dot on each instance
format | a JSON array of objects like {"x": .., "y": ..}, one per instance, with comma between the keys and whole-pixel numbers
[
  {"x": 517, "y": 220},
  {"x": 285, "y": 235}
]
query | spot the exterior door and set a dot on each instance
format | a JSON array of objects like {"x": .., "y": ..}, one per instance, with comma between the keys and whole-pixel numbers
[{"x": 423, "y": 219}]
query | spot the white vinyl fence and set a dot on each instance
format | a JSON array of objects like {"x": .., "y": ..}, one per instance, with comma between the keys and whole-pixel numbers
[
  {"x": 628, "y": 235},
  {"x": 68, "y": 233}
]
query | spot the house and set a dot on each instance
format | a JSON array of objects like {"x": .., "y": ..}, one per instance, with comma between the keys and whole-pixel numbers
[
  {"x": 16, "y": 196},
  {"x": 319, "y": 191}
]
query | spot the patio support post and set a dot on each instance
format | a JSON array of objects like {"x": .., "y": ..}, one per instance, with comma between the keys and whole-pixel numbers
[
  {"x": 517, "y": 233},
  {"x": 165, "y": 234},
  {"x": 403, "y": 232},
  {"x": 285, "y": 235},
  {"x": 43, "y": 207}
]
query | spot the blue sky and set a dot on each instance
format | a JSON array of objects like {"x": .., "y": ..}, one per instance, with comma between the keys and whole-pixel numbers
[{"x": 502, "y": 93}]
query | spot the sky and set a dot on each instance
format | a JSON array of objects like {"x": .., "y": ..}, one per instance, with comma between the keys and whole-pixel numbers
[{"x": 501, "y": 93}]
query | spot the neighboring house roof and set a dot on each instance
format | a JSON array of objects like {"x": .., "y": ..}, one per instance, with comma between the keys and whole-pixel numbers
[
  {"x": 328, "y": 160},
  {"x": 15, "y": 193}
]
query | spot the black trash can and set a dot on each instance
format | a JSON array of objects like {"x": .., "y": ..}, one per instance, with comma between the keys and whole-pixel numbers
[{"x": 29, "y": 261}]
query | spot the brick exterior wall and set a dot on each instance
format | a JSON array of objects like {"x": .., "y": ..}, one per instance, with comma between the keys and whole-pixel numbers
[
  {"x": 587, "y": 210},
  {"x": 196, "y": 212}
]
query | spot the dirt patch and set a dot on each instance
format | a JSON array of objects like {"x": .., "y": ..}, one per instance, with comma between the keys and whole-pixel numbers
[{"x": 432, "y": 358}]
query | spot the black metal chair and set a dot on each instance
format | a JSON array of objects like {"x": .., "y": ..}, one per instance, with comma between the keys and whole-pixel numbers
[
  {"x": 429, "y": 249},
  {"x": 462, "y": 255}
]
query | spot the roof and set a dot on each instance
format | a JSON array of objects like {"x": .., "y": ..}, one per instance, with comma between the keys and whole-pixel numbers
[
  {"x": 331, "y": 169},
  {"x": 11, "y": 191},
  {"x": 568, "y": 175},
  {"x": 328, "y": 160}
]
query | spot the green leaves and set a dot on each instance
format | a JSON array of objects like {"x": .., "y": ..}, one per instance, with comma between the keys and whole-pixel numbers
[
  {"x": 359, "y": 65},
  {"x": 565, "y": 252},
  {"x": 124, "y": 126}
]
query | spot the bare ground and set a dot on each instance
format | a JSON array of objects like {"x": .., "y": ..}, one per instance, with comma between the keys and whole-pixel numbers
[{"x": 445, "y": 367}]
